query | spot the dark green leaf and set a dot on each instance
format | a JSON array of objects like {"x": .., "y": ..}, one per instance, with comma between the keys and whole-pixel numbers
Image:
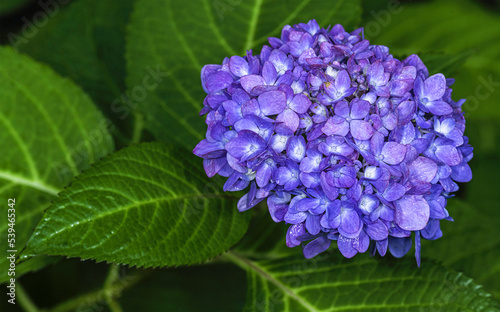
[
  {"x": 49, "y": 132},
  {"x": 7, "y": 7},
  {"x": 85, "y": 41},
  {"x": 181, "y": 36},
  {"x": 333, "y": 283},
  {"x": 32, "y": 265},
  {"x": 147, "y": 205}
]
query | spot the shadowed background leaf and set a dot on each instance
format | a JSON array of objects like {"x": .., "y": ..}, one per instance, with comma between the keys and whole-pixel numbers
[
  {"x": 84, "y": 40},
  {"x": 7, "y": 7}
]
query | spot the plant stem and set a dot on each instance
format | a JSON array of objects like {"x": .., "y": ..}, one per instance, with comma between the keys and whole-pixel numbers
[
  {"x": 113, "y": 277},
  {"x": 24, "y": 300},
  {"x": 98, "y": 297},
  {"x": 138, "y": 127}
]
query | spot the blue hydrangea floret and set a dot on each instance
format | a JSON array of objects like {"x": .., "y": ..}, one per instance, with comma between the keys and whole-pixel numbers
[{"x": 344, "y": 141}]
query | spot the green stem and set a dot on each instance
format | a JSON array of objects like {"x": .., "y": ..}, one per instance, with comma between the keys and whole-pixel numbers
[
  {"x": 113, "y": 277},
  {"x": 138, "y": 127},
  {"x": 24, "y": 300},
  {"x": 98, "y": 297},
  {"x": 249, "y": 265}
]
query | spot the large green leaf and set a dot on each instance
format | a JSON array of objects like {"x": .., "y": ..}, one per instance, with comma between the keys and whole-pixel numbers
[
  {"x": 181, "y": 36},
  {"x": 49, "y": 132},
  {"x": 146, "y": 205},
  {"x": 450, "y": 26},
  {"x": 332, "y": 283},
  {"x": 85, "y": 41}
]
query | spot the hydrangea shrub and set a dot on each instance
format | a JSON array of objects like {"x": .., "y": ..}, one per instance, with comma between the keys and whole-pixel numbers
[{"x": 344, "y": 141}]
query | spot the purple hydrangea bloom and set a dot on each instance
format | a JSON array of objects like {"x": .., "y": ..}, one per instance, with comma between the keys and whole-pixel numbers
[{"x": 345, "y": 142}]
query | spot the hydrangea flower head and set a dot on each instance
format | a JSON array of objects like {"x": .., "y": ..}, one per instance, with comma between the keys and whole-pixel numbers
[{"x": 344, "y": 141}]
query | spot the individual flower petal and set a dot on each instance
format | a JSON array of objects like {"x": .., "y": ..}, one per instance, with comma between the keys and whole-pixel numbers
[
  {"x": 361, "y": 130},
  {"x": 218, "y": 81},
  {"x": 316, "y": 247},
  {"x": 296, "y": 149},
  {"x": 359, "y": 108},
  {"x": 461, "y": 172},
  {"x": 434, "y": 87},
  {"x": 336, "y": 126},
  {"x": 251, "y": 81},
  {"x": 399, "y": 246},
  {"x": 377, "y": 230},
  {"x": 346, "y": 247},
  {"x": 449, "y": 155},
  {"x": 412, "y": 212},
  {"x": 272, "y": 102},
  {"x": 238, "y": 66},
  {"x": 423, "y": 169},
  {"x": 300, "y": 103},
  {"x": 393, "y": 153}
]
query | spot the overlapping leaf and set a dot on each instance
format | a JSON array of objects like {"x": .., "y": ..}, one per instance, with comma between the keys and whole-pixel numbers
[
  {"x": 327, "y": 283},
  {"x": 181, "y": 36},
  {"x": 49, "y": 132},
  {"x": 146, "y": 205}
]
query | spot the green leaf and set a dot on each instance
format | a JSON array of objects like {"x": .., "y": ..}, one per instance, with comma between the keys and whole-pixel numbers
[
  {"x": 85, "y": 41},
  {"x": 49, "y": 132},
  {"x": 333, "y": 283},
  {"x": 181, "y": 36},
  {"x": 450, "y": 26},
  {"x": 147, "y": 205},
  {"x": 10, "y": 6}
]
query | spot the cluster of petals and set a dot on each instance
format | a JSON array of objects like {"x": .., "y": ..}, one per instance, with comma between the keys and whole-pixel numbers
[{"x": 344, "y": 141}]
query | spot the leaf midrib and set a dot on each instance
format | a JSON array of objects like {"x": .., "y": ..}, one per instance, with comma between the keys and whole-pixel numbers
[
  {"x": 134, "y": 205},
  {"x": 252, "y": 27},
  {"x": 36, "y": 184}
]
